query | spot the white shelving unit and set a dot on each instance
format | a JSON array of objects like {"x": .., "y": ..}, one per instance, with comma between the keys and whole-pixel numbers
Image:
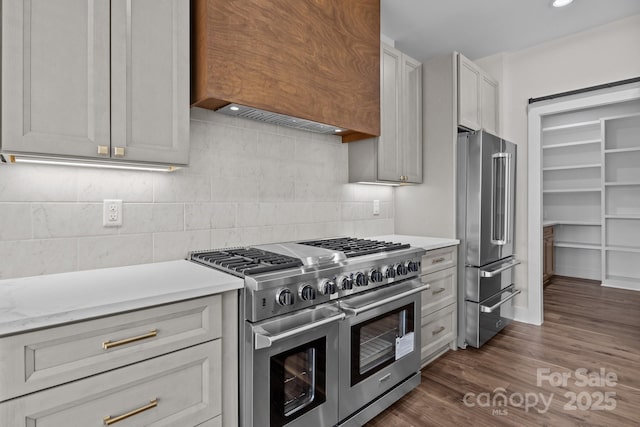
[
  {"x": 621, "y": 202},
  {"x": 591, "y": 192},
  {"x": 572, "y": 195}
]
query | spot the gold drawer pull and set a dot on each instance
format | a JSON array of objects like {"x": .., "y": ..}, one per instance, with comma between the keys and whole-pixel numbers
[
  {"x": 108, "y": 344},
  {"x": 108, "y": 420},
  {"x": 437, "y": 291},
  {"x": 437, "y": 331},
  {"x": 438, "y": 260}
]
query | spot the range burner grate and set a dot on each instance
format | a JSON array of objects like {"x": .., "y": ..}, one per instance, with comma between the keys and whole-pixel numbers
[
  {"x": 245, "y": 261},
  {"x": 356, "y": 247}
]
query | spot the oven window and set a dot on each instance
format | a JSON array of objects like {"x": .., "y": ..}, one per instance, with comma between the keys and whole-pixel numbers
[
  {"x": 373, "y": 343},
  {"x": 298, "y": 380}
]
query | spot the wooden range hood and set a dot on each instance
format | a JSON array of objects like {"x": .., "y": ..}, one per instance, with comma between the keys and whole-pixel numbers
[{"x": 314, "y": 59}]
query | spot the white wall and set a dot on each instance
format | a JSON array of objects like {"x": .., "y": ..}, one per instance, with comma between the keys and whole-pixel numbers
[
  {"x": 248, "y": 183},
  {"x": 601, "y": 55}
]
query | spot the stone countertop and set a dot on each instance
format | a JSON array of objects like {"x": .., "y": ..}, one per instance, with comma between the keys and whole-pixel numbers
[
  {"x": 43, "y": 301},
  {"x": 428, "y": 243}
]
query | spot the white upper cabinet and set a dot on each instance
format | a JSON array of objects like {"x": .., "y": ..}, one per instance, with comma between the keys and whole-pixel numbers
[
  {"x": 478, "y": 98},
  {"x": 96, "y": 79},
  {"x": 395, "y": 156},
  {"x": 150, "y": 80},
  {"x": 55, "y": 76},
  {"x": 411, "y": 120}
]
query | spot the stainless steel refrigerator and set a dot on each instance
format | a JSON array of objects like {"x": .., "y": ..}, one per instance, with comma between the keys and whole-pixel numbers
[{"x": 485, "y": 223}]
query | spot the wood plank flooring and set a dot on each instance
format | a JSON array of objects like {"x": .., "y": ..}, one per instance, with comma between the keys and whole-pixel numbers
[{"x": 586, "y": 326}]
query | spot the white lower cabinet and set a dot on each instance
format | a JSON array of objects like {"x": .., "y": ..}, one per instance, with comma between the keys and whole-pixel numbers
[
  {"x": 178, "y": 389},
  {"x": 439, "y": 303},
  {"x": 161, "y": 366}
]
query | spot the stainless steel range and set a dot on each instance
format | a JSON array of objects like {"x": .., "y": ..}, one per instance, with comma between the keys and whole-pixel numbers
[{"x": 330, "y": 329}]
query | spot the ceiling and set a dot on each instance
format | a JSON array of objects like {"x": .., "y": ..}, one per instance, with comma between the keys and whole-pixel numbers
[{"x": 478, "y": 28}]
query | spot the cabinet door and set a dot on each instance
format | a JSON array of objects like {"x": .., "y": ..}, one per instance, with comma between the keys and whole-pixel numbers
[
  {"x": 469, "y": 82},
  {"x": 150, "y": 80},
  {"x": 489, "y": 96},
  {"x": 411, "y": 120},
  {"x": 389, "y": 161},
  {"x": 55, "y": 76}
]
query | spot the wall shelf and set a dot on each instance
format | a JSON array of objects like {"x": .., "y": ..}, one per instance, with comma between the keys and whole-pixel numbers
[
  {"x": 622, "y": 216},
  {"x": 564, "y": 222},
  {"x": 630, "y": 249},
  {"x": 571, "y": 126},
  {"x": 621, "y": 150},
  {"x": 578, "y": 245},
  {"x": 574, "y": 190},
  {"x": 571, "y": 167},
  {"x": 622, "y": 184},
  {"x": 573, "y": 144}
]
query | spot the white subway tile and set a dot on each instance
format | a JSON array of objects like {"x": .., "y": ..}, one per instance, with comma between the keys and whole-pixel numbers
[
  {"x": 21, "y": 258},
  {"x": 114, "y": 251},
  {"x": 226, "y": 237},
  {"x": 38, "y": 183},
  {"x": 181, "y": 187},
  {"x": 276, "y": 146},
  {"x": 68, "y": 220},
  {"x": 95, "y": 185},
  {"x": 234, "y": 190},
  {"x": 201, "y": 216},
  {"x": 151, "y": 217},
  {"x": 15, "y": 221},
  {"x": 177, "y": 245},
  {"x": 276, "y": 190},
  {"x": 256, "y": 214}
]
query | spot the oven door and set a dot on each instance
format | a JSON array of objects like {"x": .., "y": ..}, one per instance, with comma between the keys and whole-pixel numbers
[
  {"x": 290, "y": 371},
  {"x": 379, "y": 342}
]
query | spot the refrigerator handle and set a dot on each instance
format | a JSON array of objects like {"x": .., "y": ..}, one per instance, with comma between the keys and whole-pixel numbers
[{"x": 501, "y": 160}]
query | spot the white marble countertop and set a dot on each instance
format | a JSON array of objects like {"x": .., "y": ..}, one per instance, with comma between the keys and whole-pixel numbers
[
  {"x": 427, "y": 243},
  {"x": 43, "y": 301}
]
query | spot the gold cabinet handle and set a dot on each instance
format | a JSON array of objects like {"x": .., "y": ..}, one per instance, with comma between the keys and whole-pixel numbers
[
  {"x": 118, "y": 151},
  {"x": 108, "y": 344},
  {"x": 437, "y": 331},
  {"x": 108, "y": 420},
  {"x": 438, "y": 260},
  {"x": 103, "y": 150},
  {"x": 437, "y": 291}
]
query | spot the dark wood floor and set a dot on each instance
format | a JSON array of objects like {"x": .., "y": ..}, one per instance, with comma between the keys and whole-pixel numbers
[{"x": 586, "y": 326}]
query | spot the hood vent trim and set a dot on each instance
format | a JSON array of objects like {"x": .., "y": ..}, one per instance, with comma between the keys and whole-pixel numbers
[{"x": 251, "y": 113}]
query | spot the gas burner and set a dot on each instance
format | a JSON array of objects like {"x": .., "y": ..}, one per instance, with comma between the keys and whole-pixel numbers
[
  {"x": 242, "y": 262},
  {"x": 356, "y": 247}
]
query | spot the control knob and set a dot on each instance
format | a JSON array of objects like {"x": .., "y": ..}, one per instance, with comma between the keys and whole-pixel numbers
[
  {"x": 307, "y": 293},
  {"x": 388, "y": 271},
  {"x": 345, "y": 283},
  {"x": 412, "y": 266},
  {"x": 327, "y": 287},
  {"x": 285, "y": 297},
  {"x": 401, "y": 270},
  {"x": 361, "y": 279},
  {"x": 375, "y": 275}
]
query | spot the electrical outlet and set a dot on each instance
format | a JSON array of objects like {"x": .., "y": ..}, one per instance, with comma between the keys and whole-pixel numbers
[
  {"x": 376, "y": 207},
  {"x": 112, "y": 213}
]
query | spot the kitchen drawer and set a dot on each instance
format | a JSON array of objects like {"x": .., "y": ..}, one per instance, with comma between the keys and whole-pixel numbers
[
  {"x": 438, "y": 330},
  {"x": 185, "y": 386},
  {"x": 439, "y": 259},
  {"x": 442, "y": 292},
  {"x": 37, "y": 360}
]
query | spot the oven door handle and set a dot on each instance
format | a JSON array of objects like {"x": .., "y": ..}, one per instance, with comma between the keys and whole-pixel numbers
[
  {"x": 485, "y": 309},
  {"x": 492, "y": 273},
  {"x": 354, "y": 311},
  {"x": 264, "y": 339}
]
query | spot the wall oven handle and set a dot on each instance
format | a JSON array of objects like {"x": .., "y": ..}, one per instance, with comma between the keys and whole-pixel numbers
[
  {"x": 354, "y": 311},
  {"x": 492, "y": 273},
  {"x": 264, "y": 339},
  {"x": 485, "y": 309}
]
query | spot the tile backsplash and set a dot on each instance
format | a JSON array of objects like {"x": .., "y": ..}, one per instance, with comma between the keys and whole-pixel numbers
[{"x": 248, "y": 183}]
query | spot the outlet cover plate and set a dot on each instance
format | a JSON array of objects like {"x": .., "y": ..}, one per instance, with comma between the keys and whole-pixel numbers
[{"x": 112, "y": 213}]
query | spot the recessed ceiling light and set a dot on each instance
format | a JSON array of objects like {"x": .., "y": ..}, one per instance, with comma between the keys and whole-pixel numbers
[
  {"x": 234, "y": 108},
  {"x": 561, "y": 3},
  {"x": 338, "y": 130}
]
